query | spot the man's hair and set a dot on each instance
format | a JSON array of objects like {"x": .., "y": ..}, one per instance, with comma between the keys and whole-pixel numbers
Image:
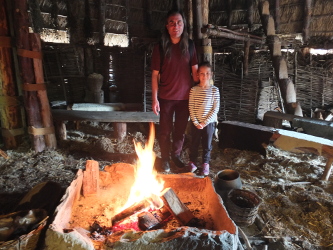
[
  {"x": 166, "y": 40},
  {"x": 205, "y": 64}
]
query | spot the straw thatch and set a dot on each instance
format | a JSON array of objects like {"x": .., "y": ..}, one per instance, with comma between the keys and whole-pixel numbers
[{"x": 138, "y": 25}]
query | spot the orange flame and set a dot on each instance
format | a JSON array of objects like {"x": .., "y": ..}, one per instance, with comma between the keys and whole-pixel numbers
[{"x": 146, "y": 184}]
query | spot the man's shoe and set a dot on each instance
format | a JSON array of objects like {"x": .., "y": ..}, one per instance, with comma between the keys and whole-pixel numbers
[
  {"x": 178, "y": 162},
  {"x": 192, "y": 167},
  {"x": 165, "y": 166},
  {"x": 205, "y": 169}
]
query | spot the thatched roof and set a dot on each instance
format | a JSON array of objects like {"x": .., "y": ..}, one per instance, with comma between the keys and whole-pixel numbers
[{"x": 144, "y": 19}]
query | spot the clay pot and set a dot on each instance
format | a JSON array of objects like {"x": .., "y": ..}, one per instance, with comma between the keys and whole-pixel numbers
[{"x": 225, "y": 181}]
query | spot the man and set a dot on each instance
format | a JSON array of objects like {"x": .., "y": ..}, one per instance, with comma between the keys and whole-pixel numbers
[{"x": 174, "y": 67}]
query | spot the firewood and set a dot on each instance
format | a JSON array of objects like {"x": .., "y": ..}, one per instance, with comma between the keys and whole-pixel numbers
[
  {"x": 4, "y": 155},
  {"x": 130, "y": 211},
  {"x": 176, "y": 207},
  {"x": 148, "y": 221},
  {"x": 91, "y": 178}
]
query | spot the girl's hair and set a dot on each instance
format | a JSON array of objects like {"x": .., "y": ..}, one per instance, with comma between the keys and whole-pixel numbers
[
  {"x": 166, "y": 40},
  {"x": 205, "y": 64}
]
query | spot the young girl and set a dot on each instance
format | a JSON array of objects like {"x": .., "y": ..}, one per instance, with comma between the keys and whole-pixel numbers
[{"x": 204, "y": 104}]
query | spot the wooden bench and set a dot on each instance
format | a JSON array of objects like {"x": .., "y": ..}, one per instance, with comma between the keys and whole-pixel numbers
[
  {"x": 274, "y": 118},
  {"x": 311, "y": 126},
  {"x": 246, "y": 136},
  {"x": 118, "y": 118}
]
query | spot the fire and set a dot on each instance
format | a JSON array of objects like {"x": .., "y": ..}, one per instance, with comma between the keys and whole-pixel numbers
[{"x": 146, "y": 183}]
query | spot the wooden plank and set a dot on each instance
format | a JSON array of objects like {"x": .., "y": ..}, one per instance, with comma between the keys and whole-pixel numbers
[
  {"x": 176, "y": 207},
  {"x": 104, "y": 116},
  {"x": 91, "y": 178}
]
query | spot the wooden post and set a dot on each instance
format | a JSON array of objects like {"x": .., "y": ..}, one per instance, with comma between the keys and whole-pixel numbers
[
  {"x": 277, "y": 16},
  {"x": 120, "y": 130},
  {"x": 307, "y": 20},
  {"x": 206, "y": 43},
  {"x": 46, "y": 115},
  {"x": 246, "y": 58},
  {"x": 229, "y": 13},
  {"x": 61, "y": 131},
  {"x": 198, "y": 19},
  {"x": 101, "y": 22},
  {"x": 189, "y": 8},
  {"x": 21, "y": 25},
  {"x": 287, "y": 88},
  {"x": 250, "y": 14},
  {"x": 10, "y": 105}
]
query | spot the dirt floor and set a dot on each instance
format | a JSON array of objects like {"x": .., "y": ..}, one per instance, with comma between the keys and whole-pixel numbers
[{"x": 295, "y": 213}]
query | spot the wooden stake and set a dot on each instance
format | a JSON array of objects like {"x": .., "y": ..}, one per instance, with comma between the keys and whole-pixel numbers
[{"x": 328, "y": 169}]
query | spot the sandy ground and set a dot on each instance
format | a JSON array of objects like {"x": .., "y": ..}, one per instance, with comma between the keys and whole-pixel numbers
[{"x": 295, "y": 213}]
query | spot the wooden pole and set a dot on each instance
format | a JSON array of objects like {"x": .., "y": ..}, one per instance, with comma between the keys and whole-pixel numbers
[
  {"x": 307, "y": 20},
  {"x": 102, "y": 6},
  {"x": 11, "y": 122},
  {"x": 189, "y": 7},
  {"x": 21, "y": 26},
  {"x": 197, "y": 19},
  {"x": 246, "y": 58},
  {"x": 46, "y": 114},
  {"x": 277, "y": 16},
  {"x": 229, "y": 14},
  {"x": 250, "y": 12},
  {"x": 206, "y": 43},
  {"x": 286, "y": 86}
]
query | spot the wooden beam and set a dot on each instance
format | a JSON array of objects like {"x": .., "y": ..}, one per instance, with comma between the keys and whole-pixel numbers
[
  {"x": 220, "y": 33},
  {"x": 104, "y": 116}
]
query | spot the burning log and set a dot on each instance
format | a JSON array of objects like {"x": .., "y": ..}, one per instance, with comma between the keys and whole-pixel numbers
[
  {"x": 154, "y": 219},
  {"x": 147, "y": 221},
  {"x": 130, "y": 211},
  {"x": 176, "y": 207}
]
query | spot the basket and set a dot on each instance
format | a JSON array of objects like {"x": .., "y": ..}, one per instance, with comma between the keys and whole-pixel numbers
[{"x": 242, "y": 206}]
